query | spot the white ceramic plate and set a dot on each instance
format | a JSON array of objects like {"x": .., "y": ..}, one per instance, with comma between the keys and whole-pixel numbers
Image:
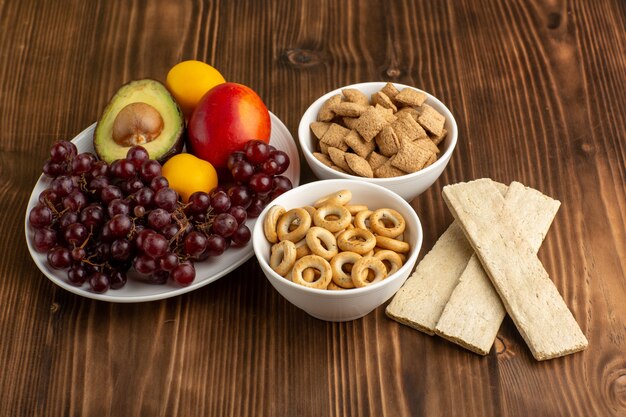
[{"x": 206, "y": 271}]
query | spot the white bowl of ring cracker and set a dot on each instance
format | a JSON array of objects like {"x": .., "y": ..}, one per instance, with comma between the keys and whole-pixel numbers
[
  {"x": 388, "y": 134},
  {"x": 337, "y": 249}
]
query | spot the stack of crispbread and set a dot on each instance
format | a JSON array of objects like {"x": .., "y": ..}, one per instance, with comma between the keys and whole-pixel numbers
[{"x": 484, "y": 266}]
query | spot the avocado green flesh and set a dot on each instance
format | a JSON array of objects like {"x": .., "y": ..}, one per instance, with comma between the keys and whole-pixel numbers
[{"x": 169, "y": 141}]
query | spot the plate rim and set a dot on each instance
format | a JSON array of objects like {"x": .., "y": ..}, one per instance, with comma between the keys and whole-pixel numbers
[{"x": 276, "y": 123}]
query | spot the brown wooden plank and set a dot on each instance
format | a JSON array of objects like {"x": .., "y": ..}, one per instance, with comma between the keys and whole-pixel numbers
[{"x": 537, "y": 90}]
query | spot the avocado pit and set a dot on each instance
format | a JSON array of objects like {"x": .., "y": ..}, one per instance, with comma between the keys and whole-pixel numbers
[{"x": 137, "y": 124}]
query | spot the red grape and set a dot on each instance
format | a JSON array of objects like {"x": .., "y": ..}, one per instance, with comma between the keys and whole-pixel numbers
[
  {"x": 256, "y": 207},
  {"x": 44, "y": 239},
  {"x": 241, "y": 236},
  {"x": 220, "y": 202},
  {"x": 120, "y": 225},
  {"x": 195, "y": 243},
  {"x": 121, "y": 249},
  {"x": 166, "y": 198},
  {"x": 76, "y": 234},
  {"x": 145, "y": 197},
  {"x": 159, "y": 182},
  {"x": 150, "y": 169},
  {"x": 154, "y": 245},
  {"x": 59, "y": 152},
  {"x": 75, "y": 201},
  {"x": 92, "y": 216},
  {"x": 99, "y": 282},
  {"x": 110, "y": 193},
  {"x": 216, "y": 245},
  {"x": 159, "y": 218},
  {"x": 199, "y": 202},
  {"x": 233, "y": 158},
  {"x": 239, "y": 213},
  {"x": 144, "y": 264},
  {"x": 256, "y": 151},
  {"x": 98, "y": 183},
  {"x": 260, "y": 183},
  {"x": 118, "y": 279},
  {"x": 82, "y": 163},
  {"x": 224, "y": 224},
  {"x": 66, "y": 219},
  {"x": 62, "y": 185},
  {"x": 240, "y": 195},
  {"x": 184, "y": 273},
  {"x": 40, "y": 216},
  {"x": 77, "y": 275},
  {"x": 137, "y": 155},
  {"x": 169, "y": 261},
  {"x": 99, "y": 169},
  {"x": 281, "y": 159},
  {"x": 242, "y": 171},
  {"x": 118, "y": 206},
  {"x": 59, "y": 257}
]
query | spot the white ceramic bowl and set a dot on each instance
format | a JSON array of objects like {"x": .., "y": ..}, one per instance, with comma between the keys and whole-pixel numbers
[
  {"x": 407, "y": 186},
  {"x": 347, "y": 304}
]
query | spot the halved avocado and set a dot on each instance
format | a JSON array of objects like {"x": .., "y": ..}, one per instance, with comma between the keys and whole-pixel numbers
[{"x": 144, "y": 113}]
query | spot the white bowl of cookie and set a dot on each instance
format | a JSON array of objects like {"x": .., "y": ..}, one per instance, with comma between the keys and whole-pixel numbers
[
  {"x": 387, "y": 134},
  {"x": 337, "y": 249}
]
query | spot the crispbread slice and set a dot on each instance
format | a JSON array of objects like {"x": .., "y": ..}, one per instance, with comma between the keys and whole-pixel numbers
[
  {"x": 420, "y": 302},
  {"x": 474, "y": 312},
  {"x": 529, "y": 296}
]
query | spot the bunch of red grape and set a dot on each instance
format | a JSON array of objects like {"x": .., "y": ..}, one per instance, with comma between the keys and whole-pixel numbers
[
  {"x": 98, "y": 220},
  {"x": 257, "y": 171}
]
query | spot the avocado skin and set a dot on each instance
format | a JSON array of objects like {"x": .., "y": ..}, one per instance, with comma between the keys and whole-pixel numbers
[{"x": 169, "y": 143}]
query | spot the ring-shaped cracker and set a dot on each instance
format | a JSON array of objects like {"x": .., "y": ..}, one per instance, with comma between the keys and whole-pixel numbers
[
  {"x": 270, "y": 221},
  {"x": 334, "y": 287},
  {"x": 356, "y": 208},
  {"x": 344, "y": 218},
  {"x": 356, "y": 240},
  {"x": 298, "y": 217},
  {"x": 283, "y": 257},
  {"x": 302, "y": 249},
  {"x": 392, "y": 244},
  {"x": 310, "y": 274},
  {"x": 340, "y": 277},
  {"x": 361, "y": 217},
  {"x": 315, "y": 262},
  {"x": 363, "y": 266},
  {"x": 392, "y": 257},
  {"x": 340, "y": 198},
  {"x": 321, "y": 242},
  {"x": 377, "y": 224},
  {"x": 311, "y": 210}
]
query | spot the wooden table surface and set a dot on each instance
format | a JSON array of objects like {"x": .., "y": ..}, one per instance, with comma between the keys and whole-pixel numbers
[{"x": 539, "y": 93}]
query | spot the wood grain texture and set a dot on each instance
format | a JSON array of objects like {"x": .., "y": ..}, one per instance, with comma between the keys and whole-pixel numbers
[{"x": 537, "y": 89}]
